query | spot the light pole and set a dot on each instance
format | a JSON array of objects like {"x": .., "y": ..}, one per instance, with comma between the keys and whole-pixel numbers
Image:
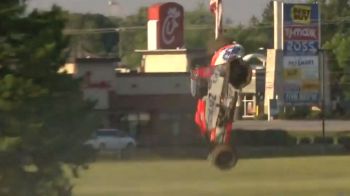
[{"x": 120, "y": 47}]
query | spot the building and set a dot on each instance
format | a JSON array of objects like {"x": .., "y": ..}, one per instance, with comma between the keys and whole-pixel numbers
[{"x": 156, "y": 108}]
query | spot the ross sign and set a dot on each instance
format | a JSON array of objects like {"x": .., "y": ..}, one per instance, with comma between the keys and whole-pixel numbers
[
  {"x": 300, "y": 47},
  {"x": 169, "y": 24}
]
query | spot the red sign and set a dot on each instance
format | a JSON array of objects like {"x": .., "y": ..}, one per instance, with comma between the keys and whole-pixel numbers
[
  {"x": 170, "y": 27},
  {"x": 301, "y": 33},
  {"x": 88, "y": 83}
]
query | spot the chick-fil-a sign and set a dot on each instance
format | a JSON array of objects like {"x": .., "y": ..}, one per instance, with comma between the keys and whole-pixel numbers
[{"x": 170, "y": 24}]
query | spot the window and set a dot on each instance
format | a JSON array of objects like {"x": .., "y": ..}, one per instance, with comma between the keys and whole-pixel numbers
[{"x": 111, "y": 133}]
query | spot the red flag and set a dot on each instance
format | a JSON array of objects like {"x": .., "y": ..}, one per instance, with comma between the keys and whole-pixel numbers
[
  {"x": 212, "y": 6},
  {"x": 216, "y": 8}
]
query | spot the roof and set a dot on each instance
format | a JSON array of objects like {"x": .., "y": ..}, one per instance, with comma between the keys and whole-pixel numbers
[
  {"x": 97, "y": 60},
  {"x": 171, "y": 51},
  {"x": 152, "y": 74}
]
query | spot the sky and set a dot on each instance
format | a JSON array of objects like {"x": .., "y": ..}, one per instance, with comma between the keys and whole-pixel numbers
[{"x": 239, "y": 11}]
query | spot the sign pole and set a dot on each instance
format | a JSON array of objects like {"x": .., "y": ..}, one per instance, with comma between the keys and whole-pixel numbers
[
  {"x": 322, "y": 63},
  {"x": 323, "y": 95}
]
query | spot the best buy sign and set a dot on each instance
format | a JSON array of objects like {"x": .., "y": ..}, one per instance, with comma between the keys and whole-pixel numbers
[{"x": 300, "y": 14}]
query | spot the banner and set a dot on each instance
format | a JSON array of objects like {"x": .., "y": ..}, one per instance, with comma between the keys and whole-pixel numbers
[{"x": 216, "y": 8}]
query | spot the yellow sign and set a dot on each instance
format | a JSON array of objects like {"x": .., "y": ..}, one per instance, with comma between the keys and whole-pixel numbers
[
  {"x": 292, "y": 74},
  {"x": 310, "y": 86},
  {"x": 301, "y": 14}
]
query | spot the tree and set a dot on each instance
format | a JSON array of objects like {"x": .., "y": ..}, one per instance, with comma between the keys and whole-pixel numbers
[
  {"x": 339, "y": 62},
  {"x": 199, "y": 22},
  {"x": 335, "y": 17},
  {"x": 133, "y": 36},
  {"x": 97, "y": 44},
  {"x": 267, "y": 15},
  {"x": 44, "y": 121}
]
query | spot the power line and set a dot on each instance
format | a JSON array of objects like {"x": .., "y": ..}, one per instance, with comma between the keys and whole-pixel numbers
[
  {"x": 126, "y": 28},
  {"x": 187, "y": 27},
  {"x": 101, "y": 30}
]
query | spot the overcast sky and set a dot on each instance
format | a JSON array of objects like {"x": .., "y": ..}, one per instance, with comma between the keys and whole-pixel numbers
[{"x": 239, "y": 11}]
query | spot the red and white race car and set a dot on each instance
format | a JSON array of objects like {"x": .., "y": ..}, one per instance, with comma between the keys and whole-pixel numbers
[{"x": 217, "y": 87}]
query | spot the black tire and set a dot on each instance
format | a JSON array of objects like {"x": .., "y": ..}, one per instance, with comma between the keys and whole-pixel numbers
[
  {"x": 240, "y": 74},
  {"x": 224, "y": 157}
]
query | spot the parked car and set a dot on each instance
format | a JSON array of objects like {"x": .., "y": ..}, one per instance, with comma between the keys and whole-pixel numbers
[{"x": 112, "y": 140}]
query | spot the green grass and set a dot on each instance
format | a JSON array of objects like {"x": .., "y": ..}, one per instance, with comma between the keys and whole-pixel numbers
[{"x": 320, "y": 175}]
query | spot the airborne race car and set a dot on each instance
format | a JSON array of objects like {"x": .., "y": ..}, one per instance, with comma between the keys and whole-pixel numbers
[{"x": 217, "y": 89}]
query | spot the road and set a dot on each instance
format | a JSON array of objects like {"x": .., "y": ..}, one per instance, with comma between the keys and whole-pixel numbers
[{"x": 293, "y": 125}]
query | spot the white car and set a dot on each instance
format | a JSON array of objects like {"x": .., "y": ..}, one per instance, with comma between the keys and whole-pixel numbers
[{"x": 113, "y": 140}]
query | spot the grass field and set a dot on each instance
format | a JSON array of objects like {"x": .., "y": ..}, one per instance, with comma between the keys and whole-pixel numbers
[{"x": 316, "y": 175}]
